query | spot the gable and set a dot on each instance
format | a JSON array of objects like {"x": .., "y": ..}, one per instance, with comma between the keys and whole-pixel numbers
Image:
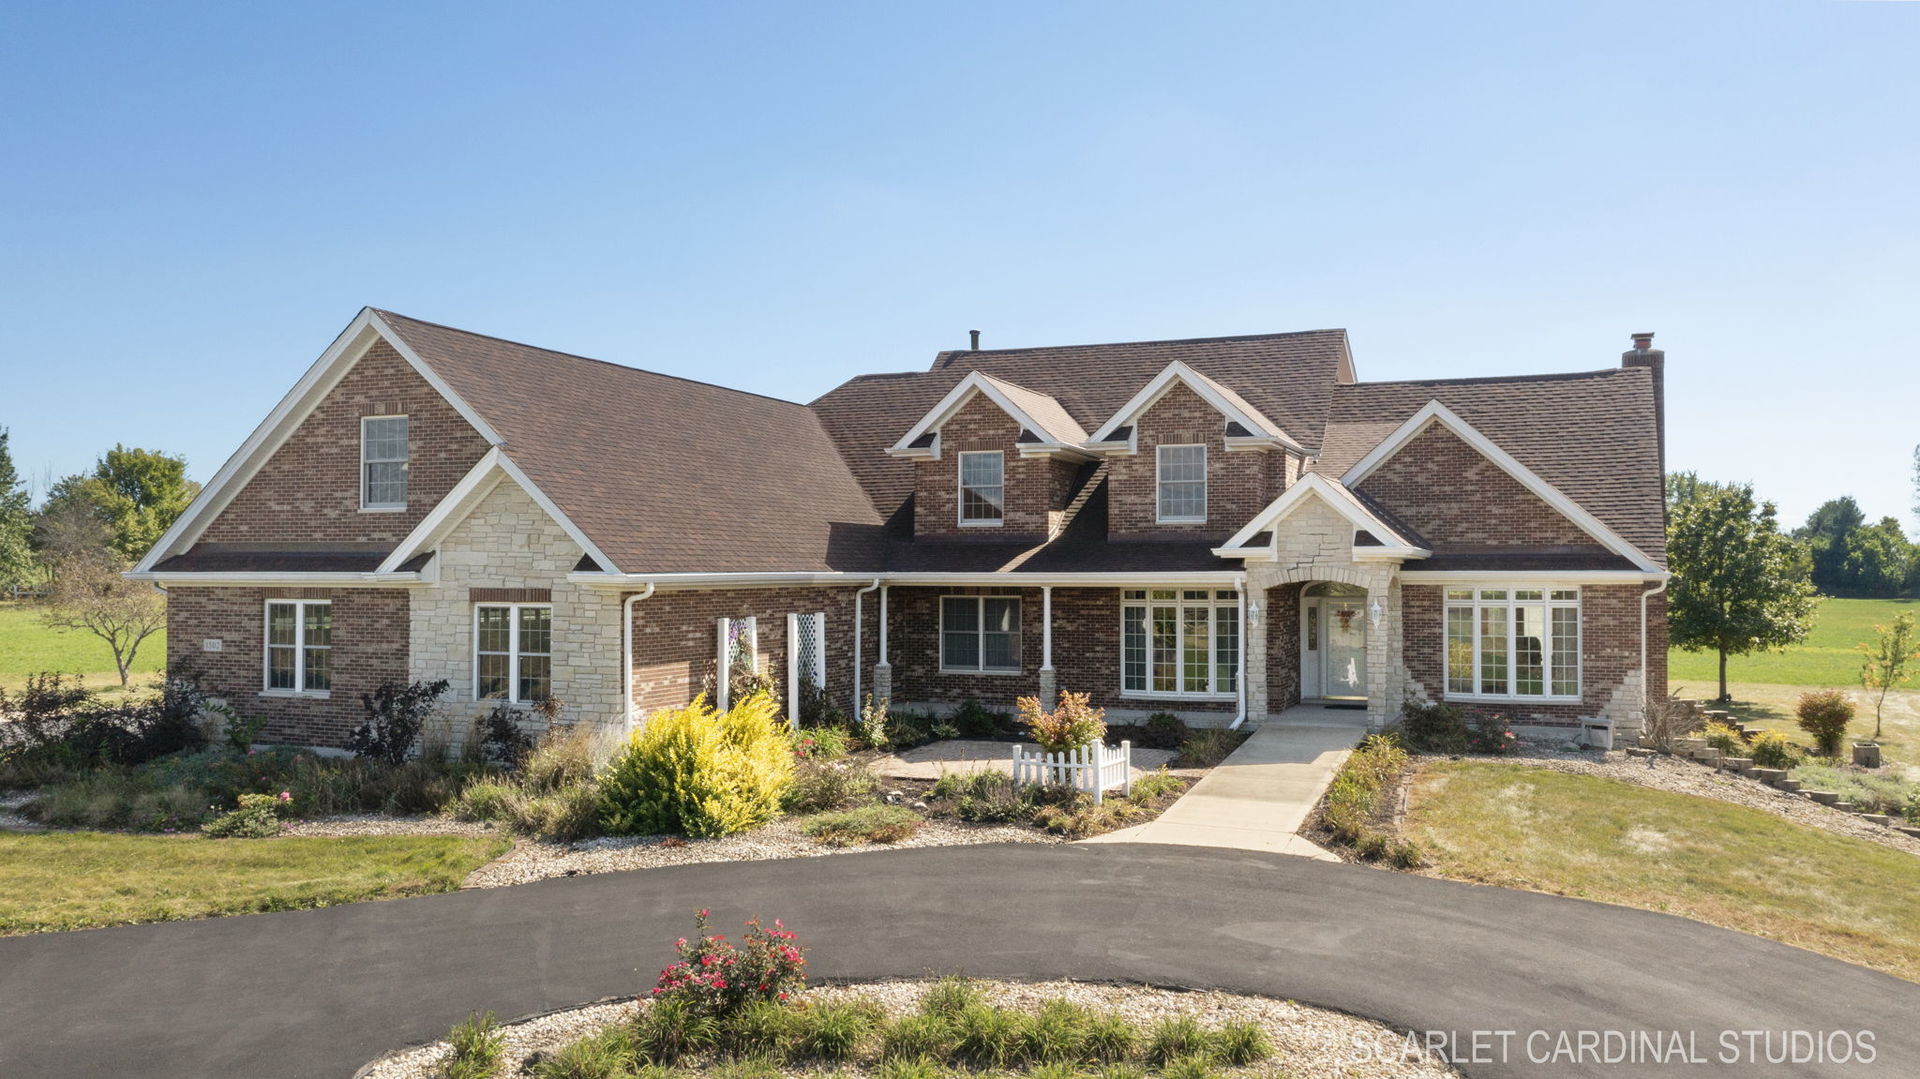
[
  {"x": 308, "y": 488},
  {"x": 1455, "y": 496}
]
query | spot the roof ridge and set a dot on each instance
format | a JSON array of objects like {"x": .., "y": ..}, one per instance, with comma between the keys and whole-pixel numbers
[
  {"x": 589, "y": 359},
  {"x": 1552, "y": 376},
  {"x": 1122, "y": 344}
]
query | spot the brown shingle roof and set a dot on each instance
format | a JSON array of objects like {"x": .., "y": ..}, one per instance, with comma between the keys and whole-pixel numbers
[
  {"x": 1591, "y": 435},
  {"x": 664, "y": 474},
  {"x": 1287, "y": 377}
]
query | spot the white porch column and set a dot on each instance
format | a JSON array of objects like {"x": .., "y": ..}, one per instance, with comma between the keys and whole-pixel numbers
[{"x": 1048, "y": 684}]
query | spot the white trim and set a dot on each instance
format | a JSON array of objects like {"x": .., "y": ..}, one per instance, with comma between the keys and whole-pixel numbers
[
  {"x": 1538, "y": 578},
  {"x": 625, "y": 582},
  {"x": 553, "y": 510},
  {"x": 960, "y": 489},
  {"x": 513, "y": 653},
  {"x": 277, "y": 579},
  {"x": 467, "y": 494},
  {"x": 980, "y": 636},
  {"x": 299, "y": 646},
  {"x": 1160, "y": 481},
  {"x": 365, "y": 485},
  {"x": 1548, "y": 605},
  {"x": 956, "y": 398},
  {"x": 286, "y": 417},
  {"x": 1435, "y": 412},
  {"x": 1340, "y": 500},
  {"x": 1213, "y": 603},
  {"x": 1264, "y": 430}
]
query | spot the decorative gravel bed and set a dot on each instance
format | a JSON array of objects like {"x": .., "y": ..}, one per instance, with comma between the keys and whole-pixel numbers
[
  {"x": 1685, "y": 777},
  {"x": 1309, "y": 1042},
  {"x": 532, "y": 860}
]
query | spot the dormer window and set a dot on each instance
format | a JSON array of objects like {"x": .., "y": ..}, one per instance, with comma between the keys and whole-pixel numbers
[
  {"x": 983, "y": 490},
  {"x": 1182, "y": 484},
  {"x": 383, "y": 463}
]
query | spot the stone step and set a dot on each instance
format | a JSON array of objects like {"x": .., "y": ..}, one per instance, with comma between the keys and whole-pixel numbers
[
  {"x": 1769, "y": 775},
  {"x": 1825, "y": 798},
  {"x": 1878, "y": 818},
  {"x": 1742, "y": 765},
  {"x": 1908, "y": 829},
  {"x": 1641, "y": 751},
  {"x": 1848, "y": 807},
  {"x": 1789, "y": 785}
]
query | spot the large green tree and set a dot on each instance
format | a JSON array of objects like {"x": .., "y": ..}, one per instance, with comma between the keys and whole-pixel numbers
[
  {"x": 134, "y": 494},
  {"x": 1876, "y": 558},
  {"x": 1825, "y": 535},
  {"x": 16, "y": 522},
  {"x": 1739, "y": 585}
]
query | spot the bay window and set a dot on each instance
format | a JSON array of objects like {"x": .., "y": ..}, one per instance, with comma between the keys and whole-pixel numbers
[
  {"x": 1515, "y": 643},
  {"x": 513, "y": 652},
  {"x": 1179, "y": 642},
  {"x": 980, "y": 634}
]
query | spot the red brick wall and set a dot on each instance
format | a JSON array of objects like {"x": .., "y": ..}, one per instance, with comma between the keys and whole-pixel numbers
[
  {"x": 1239, "y": 485},
  {"x": 1036, "y": 487},
  {"x": 1086, "y": 651},
  {"x": 369, "y": 647},
  {"x": 675, "y": 643},
  {"x": 1454, "y": 497},
  {"x": 309, "y": 490},
  {"x": 1609, "y": 646}
]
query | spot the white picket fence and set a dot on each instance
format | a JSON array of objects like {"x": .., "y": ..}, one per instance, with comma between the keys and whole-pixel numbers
[{"x": 1093, "y": 769}]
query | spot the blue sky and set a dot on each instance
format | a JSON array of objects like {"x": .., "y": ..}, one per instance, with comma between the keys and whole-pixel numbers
[{"x": 198, "y": 197}]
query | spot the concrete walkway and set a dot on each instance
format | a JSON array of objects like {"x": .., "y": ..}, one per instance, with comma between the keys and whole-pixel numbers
[{"x": 1258, "y": 798}]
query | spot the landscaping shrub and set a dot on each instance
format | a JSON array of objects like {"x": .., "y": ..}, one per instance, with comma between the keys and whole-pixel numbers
[
  {"x": 610, "y": 1054},
  {"x": 873, "y": 730},
  {"x": 909, "y": 1068},
  {"x": 1209, "y": 746},
  {"x": 987, "y": 1037},
  {"x": 818, "y": 743},
  {"x": 818, "y": 709},
  {"x": 118, "y": 798},
  {"x": 1357, "y": 792},
  {"x": 917, "y": 1037},
  {"x": 988, "y": 798},
  {"x": 906, "y": 729},
  {"x": 1057, "y": 1034},
  {"x": 819, "y": 786},
  {"x": 1769, "y": 749},
  {"x": 950, "y": 996},
  {"x": 237, "y": 731},
  {"x": 395, "y": 714},
  {"x": 975, "y": 720},
  {"x": 478, "y": 1045},
  {"x": 1874, "y": 793},
  {"x": 57, "y": 725},
  {"x": 1173, "y": 1038},
  {"x": 1157, "y": 784},
  {"x": 1435, "y": 727},
  {"x": 1110, "y": 1038},
  {"x": 257, "y": 817},
  {"x": 1490, "y": 733},
  {"x": 1191, "y": 1066},
  {"x": 834, "y": 1032},
  {"x": 1242, "y": 1043},
  {"x": 1724, "y": 738},
  {"x": 672, "y": 1028},
  {"x": 1073, "y": 722},
  {"x": 1081, "y": 816},
  {"x": 499, "y": 737},
  {"x": 714, "y": 978},
  {"x": 1163, "y": 730},
  {"x": 1825, "y": 716},
  {"x": 760, "y": 1028},
  {"x": 868, "y": 824},
  {"x": 699, "y": 773}
]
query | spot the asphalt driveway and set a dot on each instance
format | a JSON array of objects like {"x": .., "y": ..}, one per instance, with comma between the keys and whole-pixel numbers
[{"x": 318, "y": 993}]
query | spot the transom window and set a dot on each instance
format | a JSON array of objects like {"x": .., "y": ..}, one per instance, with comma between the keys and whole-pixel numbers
[
  {"x": 1180, "y": 642},
  {"x": 383, "y": 463},
  {"x": 299, "y": 646},
  {"x": 513, "y": 651},
  {"x": 980, "y": 633},
  {"x": 1515, "y": 643},
  {"x": 983, "y": 488},
  {"x": 1182, "y": 483}
]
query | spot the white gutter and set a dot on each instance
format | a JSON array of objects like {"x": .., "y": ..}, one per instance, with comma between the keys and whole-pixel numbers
[
  {"x": 671, "y": 581},
  {"x": 260, "y": 579},
  {"x": 1240, "y": 598},
  {"x": 1645, "y": 690},
  {"x": 859, "y": 654},
  {"x": 626, "y": 647}
]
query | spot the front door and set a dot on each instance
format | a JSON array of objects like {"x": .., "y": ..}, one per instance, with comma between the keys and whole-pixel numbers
[{"x": 1334, "y": 647}]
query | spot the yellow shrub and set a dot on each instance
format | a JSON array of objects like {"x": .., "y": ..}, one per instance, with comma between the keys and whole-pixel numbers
[{"x": 697, "y": 772}]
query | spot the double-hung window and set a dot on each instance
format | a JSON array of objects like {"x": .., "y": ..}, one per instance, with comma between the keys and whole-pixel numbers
[
  {"x": 983, "y": 487},
  {"x": 299, "y": 646},
  {"x": 1182, "y": 484},
  {"x": 513, "y": 651},
  {"x": 1515, "y": 643},
  {"x": 980, "y": 633},
  {"x": 1179, "y": 642},
  {"x": 383, "y": 463}
]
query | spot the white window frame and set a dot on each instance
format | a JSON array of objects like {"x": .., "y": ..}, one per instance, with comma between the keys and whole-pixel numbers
[
  {"x": 1547, "y": 604},
  {"x": 267, "y": 688},
  {"x": 367, "y": 505},
  {"x": 513, "y": 650},
  {"x": 960, "y": 489},
  {"x": 980, "y": 636},
  {"x": 1160, "y": 515},
  {"x": 1217, "y": 601}
]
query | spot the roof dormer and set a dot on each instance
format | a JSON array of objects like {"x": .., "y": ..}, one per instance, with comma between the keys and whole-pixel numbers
[
  {"x": 1046, "y": 430},
  {"x": 1245, "y": 427}
]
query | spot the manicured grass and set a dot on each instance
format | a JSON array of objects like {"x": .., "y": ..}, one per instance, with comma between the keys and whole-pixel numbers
[
  {"x": 1826, "y": 658},
  {"x": 1601, "y": 839},
  {"x": 27, "y": 647},
  {"x": 78, "y": 880}
]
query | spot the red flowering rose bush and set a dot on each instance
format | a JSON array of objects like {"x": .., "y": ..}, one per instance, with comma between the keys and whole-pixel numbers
[
  {"x": 1489, "y": 732},
  {"x": 717, "y": 978}
]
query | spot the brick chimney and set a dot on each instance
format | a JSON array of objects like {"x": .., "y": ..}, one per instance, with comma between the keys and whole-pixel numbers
[{"x": 1643, "y": 354}]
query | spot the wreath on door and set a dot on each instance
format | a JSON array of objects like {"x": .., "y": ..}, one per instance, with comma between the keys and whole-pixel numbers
[{"x": 1346, "y": 616}]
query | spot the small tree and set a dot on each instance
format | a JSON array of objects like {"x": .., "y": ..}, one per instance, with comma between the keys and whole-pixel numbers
[
  {"x": 1890, "y": 661},
  {"x": 89, "y": 594},
  {"x": 16, "y": 523},
  {"x": 395, "y": 714},
  {"x": 1825, "y": 715},
  {"x": 1739, "y": 585}
]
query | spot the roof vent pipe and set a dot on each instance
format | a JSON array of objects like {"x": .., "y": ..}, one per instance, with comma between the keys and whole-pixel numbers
[{"x": 975, "y": 334}]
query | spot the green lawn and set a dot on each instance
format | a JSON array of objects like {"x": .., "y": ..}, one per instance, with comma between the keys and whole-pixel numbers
[
  {"x": 1601, "y": 839},
  {"x": 78, "y": 880},
  {"x": 27, "y": 647},
  {"x": 1826, "y": 658}
]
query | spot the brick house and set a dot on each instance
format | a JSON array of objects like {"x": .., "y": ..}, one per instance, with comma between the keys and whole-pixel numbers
[{"x": 1220, "y": 528}]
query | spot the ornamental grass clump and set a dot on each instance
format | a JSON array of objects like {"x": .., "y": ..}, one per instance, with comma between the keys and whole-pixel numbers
[
  {"x": 1073, "y": 723},
  {"x": 696, "y": 772},
  {"x": 478, "y": 1045}
]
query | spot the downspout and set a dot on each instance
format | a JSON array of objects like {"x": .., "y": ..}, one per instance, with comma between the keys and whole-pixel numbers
[
  {"x": 1240, "y": 600},
  {"x": 883, "y": 625},
  {"x": 859, "y": 626},
  {"x": 1646, "y": 696},
  {"x": 626, "y": 646}
]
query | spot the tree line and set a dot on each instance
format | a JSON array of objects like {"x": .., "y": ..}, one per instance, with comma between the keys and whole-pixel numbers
[{"x": 91, "y": 527}]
